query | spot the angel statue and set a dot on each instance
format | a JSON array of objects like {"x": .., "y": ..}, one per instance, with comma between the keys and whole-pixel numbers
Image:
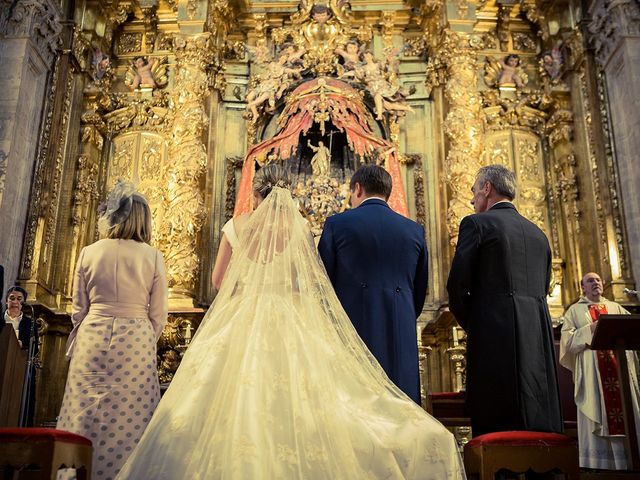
[
  {"x": 351, "y": 57},
  {"x": 552, "y": 62},
  {"x": 275, "y": 80},
  {"x": 147, "y": 73},
  {"x": 100, "y": 64},
  {"x": 505, "y": 72},
  {"x": 294, "y": 55},
  {"x": 383, "y": 86}
]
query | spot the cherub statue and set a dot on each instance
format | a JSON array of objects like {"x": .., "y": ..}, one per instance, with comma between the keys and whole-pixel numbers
[
  {"x": 294, "y": 55},
  {"x": 552, "y": 62},
  {"x": 273, "y": 83},
  {"x": 147, "y": 73},
  {"x": 509, "y": 72},
  {"x": 386, "y": 94},
  {"x": 505, "y": 72},
  {"x": 351, "y": 57},
  {"x": 321, "y": 161},
  {"x": 321, "y": 13}
]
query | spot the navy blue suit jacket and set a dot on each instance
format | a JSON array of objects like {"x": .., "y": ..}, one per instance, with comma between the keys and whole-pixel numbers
[{"x": 377, "y": 262}]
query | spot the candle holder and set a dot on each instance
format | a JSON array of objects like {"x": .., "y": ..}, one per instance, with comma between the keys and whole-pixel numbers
[{"x": 457, "y": 356}]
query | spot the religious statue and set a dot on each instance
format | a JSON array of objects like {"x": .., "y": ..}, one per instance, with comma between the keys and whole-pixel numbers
[
  {"x": 147, "y": 73},
  {"x": 294, "y": 55},
  {"x": 552, "y": 62},
  {"x": 382, "y": 84},
  {"x": 351, "y": 57},
  {"x": 275, "y": 80},
  {"x": 100, "y": 64},
  {"x": 321, "y": 161},
  {"x": 505, "y": 72}
]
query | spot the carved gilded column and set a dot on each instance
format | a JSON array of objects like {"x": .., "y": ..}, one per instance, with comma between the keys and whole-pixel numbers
[
  {"x": 563, "y": 179},
  {"x": 184, "y": 205},
  {"x": 454, "y": 64}
]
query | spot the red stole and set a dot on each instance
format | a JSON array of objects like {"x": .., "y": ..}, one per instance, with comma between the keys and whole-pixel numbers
[{"x": 608, "y": 370}]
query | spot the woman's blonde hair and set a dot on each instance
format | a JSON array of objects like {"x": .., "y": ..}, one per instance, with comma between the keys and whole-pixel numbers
[
  {"x": 137, "y": 226},
  {"x": 269, "y": 176}
]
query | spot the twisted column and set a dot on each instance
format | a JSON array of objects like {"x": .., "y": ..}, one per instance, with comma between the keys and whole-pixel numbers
[
  {"x": 184, "y": 205},
  {"x": 463, "y": 124}
]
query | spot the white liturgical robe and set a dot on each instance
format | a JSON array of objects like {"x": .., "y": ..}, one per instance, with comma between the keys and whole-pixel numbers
[{"x": 598, "y": 449}]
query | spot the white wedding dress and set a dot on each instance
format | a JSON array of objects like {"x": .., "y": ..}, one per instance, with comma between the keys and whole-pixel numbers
[{"x": 277, "y": 384}]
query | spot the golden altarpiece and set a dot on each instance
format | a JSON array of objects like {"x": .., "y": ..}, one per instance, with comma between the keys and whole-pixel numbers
[{"x": 187, "y": 97}]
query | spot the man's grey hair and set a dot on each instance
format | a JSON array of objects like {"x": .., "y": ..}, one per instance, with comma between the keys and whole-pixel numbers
[{"x": 502, "y": 179}]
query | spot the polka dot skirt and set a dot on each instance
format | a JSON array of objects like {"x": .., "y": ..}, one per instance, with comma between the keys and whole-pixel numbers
[{"x": 112, "y": 389}]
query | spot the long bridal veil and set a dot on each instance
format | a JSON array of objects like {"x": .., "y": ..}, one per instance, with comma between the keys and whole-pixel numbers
[{"x": 277, "y": 383}]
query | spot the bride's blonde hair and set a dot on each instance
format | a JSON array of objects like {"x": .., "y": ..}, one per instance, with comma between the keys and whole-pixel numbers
[{"x": 269, "y": 176}]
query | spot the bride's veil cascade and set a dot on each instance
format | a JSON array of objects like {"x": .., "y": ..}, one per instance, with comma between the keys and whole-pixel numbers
[
  {"x": 277, "y": 383},
  {"x": 277, "y": 261}
]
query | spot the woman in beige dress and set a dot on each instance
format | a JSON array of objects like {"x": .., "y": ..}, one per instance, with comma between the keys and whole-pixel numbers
[{"x": 119, "y": 311}]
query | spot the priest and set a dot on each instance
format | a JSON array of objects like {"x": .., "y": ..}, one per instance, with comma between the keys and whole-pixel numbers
[{"x": 597, "y": 393}]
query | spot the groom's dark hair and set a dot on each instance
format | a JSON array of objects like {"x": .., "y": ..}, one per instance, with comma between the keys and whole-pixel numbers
[{"x": 374, "y": 179}]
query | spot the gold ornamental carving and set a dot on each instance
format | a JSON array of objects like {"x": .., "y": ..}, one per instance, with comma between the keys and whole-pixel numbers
[
  {"x": 138, "y": 113},
  {"x": 525, "y": 111},
  {"x": 183, "y": 200},
  {"x": 130, "y": 43},
  {"x": 319, "y": 28},
  {"x": 454, "y": 63},
  {"x": 560, "y": 134}
]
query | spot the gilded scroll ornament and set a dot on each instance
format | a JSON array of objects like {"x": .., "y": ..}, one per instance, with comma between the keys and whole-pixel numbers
[
  {"x": 137, "y": 113},
  {"x": 319, "y": 28},
  {"x": 524, "y": 42},
  {"x": 525, "y": 111},
  {"x": 130, "y": 43},
  {"x": 86, "y": 189},
  {"x": 559, "y": 131}
]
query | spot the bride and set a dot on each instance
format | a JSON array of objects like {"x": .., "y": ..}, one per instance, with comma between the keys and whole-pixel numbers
[{"x": 276, "y": 383}]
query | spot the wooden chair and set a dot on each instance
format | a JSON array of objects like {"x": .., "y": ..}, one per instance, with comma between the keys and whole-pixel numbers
[
  {"x": 45, "y": 450},
  {"x": 519, "y": 452}
]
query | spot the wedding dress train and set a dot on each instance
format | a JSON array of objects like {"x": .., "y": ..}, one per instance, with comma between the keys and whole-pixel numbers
[{"x": 277, "y": 384}]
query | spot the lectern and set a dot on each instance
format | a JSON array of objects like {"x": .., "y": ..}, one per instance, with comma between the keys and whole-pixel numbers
[
  {"x": 620, "y": 333},
  {"x": 13, "y": 362}
]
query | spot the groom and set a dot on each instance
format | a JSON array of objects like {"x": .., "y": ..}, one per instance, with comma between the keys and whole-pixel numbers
[{"x": 377, "y": 262}]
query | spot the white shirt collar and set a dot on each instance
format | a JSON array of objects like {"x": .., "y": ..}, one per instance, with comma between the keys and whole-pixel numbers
[
  {"x": 373, "y": 198},
  {"x": 13, "y": 321}
]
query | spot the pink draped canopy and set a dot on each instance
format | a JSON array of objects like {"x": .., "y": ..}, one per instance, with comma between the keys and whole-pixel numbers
[{"x": 322, "y": 100}]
